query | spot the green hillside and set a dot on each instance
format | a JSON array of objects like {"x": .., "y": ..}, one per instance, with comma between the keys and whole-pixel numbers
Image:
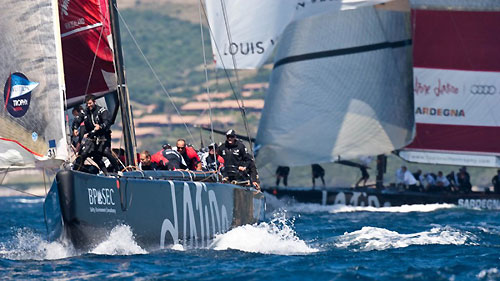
[{"x": 172, "y": 47}]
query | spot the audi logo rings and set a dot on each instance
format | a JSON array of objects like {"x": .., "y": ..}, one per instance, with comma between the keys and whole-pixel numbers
[{"x": 483, "y": 90}]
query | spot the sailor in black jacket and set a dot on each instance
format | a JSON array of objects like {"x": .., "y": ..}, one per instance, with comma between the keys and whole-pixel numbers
[
  {"x": 97, "y": 123},
  {"x": 237, "y": 161}
]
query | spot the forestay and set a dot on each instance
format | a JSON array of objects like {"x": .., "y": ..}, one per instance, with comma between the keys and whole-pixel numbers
[
  {"x": 456, "y": 83},
  {"x": 341, "y": 87},
  {"x": 31, "y": 111},
  {"x": 256, "y": 26}
]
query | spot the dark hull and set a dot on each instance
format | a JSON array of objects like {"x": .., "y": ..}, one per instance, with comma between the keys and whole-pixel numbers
[
  {"x": 85, "y": 208},
  {"x": 385, "y": 198}
]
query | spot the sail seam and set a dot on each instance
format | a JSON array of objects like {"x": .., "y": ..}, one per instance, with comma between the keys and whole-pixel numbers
[
  {"x": 81, "y": 29},
  {"x": 342, "y": 52}
]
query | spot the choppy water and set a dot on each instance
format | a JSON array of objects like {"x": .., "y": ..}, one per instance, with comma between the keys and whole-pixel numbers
[{"x": 301, "y": 241}]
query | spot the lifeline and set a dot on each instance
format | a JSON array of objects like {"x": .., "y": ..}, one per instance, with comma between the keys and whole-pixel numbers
[{"x": 440, "y": 112}]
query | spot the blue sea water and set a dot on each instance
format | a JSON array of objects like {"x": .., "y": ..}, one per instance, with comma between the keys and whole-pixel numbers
[{"x": 297, "y": 241}]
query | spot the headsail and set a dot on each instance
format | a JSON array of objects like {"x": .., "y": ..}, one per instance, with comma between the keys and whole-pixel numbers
[
  {"x": 31, "y": 111},
  {"x": 341, "y": 87},
  {"x": 87, "y": 48},
  {"x": 456, "y": 83},
  {"x": 256, "y": 26}
]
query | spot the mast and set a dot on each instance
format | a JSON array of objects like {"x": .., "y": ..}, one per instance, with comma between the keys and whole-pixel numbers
[{"x": 123, "y": 96}]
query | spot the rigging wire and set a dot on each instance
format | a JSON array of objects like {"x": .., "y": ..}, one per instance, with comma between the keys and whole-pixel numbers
[
  {"x": 238, "y": 84},
  {"x": 206, "y": 70},
  {"x": 208, "y": 87},
  {"x": 242, "y": 109},
  {"x": 93, "y": 61},
  {"x": 155, "y": 74}
]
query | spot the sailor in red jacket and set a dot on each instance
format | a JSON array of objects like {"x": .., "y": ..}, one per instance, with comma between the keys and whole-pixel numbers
[
  {"x": 168, "y": 159},
  {"x": 189, "y": 155}
]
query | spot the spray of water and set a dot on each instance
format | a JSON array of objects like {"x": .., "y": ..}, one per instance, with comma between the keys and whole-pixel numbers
[
  {"x": 119, "y": 242},
  {"x": 276, "y": 237},
  {"x": 27, "y": 245}
]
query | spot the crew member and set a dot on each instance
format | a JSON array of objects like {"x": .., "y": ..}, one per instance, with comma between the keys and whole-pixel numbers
[
  {"x": 168, "y": 159},
  {"x": 210, "y": 160},
  {"x": 237, "y": 161},
  {"x": 146, "y": 163},
  {"x": 76, "y": 138},
  {"x": 409, "y": 180},
  {"x": 97, "y": 122},
  {"x": 496, "y": 182},
  {"x": 189, "y": 155},
  {"x": 318, "y": 172},
  {"x": 282, "y": 172},
  {"x": 364, "y": 176}
]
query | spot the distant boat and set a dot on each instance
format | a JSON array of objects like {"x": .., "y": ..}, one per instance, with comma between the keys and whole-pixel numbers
[
  {"x": 341, "y": 88},
  {"x": 161, "y": 208}
]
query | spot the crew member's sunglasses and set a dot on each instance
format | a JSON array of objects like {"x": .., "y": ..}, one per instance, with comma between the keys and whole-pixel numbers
[{"x": 181, "y": 148}]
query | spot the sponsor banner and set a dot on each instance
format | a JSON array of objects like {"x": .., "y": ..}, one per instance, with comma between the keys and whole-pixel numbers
[
  {"x": 456, "y": 97},
  {"x": 255, "y": 26},
  {"x": 490, "y": 204},
  {"x": 451, "y": 159},
  {"x": 465, "y": 40},
  {"x": 456, "y": 86}
]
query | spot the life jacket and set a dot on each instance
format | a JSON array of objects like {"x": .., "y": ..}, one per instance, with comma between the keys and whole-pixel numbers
[
  {"x": 159, "y": 159},
  {"x": 191, "y": 158}
]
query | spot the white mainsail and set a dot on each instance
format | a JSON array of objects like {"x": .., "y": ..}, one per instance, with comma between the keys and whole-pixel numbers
[
  {"x": 31, "y": 111},
  {"x": 340, "y": 88},
  {"x": 456, "y": 83},
  {"x": 256, "y": 26}
]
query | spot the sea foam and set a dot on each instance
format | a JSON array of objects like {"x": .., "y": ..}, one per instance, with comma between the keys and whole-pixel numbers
[
  {"x": 423, "y": 208},
  {"x": 374, "y": 238},
  {"x": 489, "y": 274},
  {"x": 27, "y": 245},
  {"x": 276, "y": 237},
  {"x": 119, "y": 242},
  {"x": 339, "y": 208}
]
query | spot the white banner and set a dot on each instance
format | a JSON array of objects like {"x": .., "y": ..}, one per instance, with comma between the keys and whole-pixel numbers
[
  {"x": 456, "y": 97},
  {"x": 255, "y": 26},
  {"x": 451, "y": 158}
]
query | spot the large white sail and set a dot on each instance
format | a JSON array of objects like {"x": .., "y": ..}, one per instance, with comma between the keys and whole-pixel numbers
[
  {"x": 248, "y": 31},
  {"x": 31, "y": 111},
  {"x": 341, "y": 87},
  {"x": 456, "y": 83}
]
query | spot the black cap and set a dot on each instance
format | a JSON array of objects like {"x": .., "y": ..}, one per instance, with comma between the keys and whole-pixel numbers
[{"x": 231, "y": 133}]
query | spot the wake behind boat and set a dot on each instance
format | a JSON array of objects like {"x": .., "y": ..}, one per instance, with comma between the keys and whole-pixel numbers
[{"x": 384, "y": 197}]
